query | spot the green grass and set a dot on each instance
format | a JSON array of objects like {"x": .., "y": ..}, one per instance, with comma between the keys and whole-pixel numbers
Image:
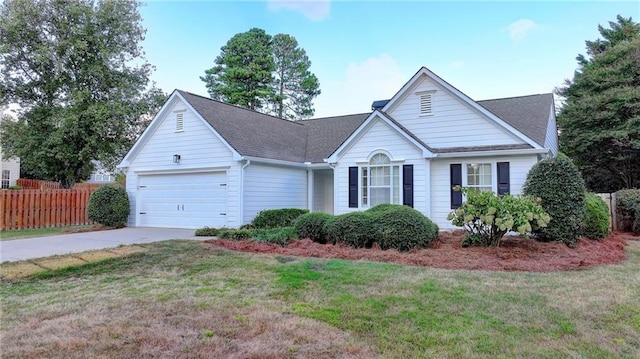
[
  {"x": 189, "y": 299},
  {"x": 39, "y": 232}
]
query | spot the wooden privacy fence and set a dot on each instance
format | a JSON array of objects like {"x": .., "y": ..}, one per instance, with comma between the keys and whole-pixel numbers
[
  {"x": 37, "y": 184},
  {"x": 35, "y": 208}
]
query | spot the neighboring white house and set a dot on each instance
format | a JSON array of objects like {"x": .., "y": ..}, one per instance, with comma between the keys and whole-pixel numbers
[
  {"x": 205, "y": 163},
  {"x": 9, "y": 171}
]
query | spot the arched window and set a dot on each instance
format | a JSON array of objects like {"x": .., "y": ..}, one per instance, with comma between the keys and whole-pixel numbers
[{"x": 380, "y": 181}]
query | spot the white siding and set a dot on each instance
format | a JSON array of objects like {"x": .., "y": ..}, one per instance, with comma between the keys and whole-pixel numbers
[
  {"x": 273, "y": 187},
  {"x": 441, "y": 183},
  {"x": 323, "y": 191},
  {"x": 453, "y": 122},
  {"x": 551, "y": 138},
  {"x": 13, "y": 165},
  {"x": 198, "y": 148},
  {"x": 381, "y": 137}
]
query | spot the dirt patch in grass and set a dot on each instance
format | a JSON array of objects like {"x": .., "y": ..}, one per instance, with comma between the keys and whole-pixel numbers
[
  {"x": 514, "y": 253},
  {"x": 22, "y": 269},
  {"x": 93, "y": 228}
]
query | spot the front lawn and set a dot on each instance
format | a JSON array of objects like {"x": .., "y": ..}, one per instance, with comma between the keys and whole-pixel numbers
[
  {"x": 189, "y": 299},
  {"x": 40, "y": 232}
]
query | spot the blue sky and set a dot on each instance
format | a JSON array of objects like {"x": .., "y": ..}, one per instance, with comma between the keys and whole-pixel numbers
[{"x": 366, "y": 50}]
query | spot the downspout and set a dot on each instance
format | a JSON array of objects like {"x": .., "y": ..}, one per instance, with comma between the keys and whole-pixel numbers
[{"x": 246, "y": 164}]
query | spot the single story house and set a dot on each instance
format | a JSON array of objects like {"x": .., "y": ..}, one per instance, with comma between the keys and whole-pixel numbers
[
  {"x": 206, "y": 163},
  {"x": 9, "y": 171}
]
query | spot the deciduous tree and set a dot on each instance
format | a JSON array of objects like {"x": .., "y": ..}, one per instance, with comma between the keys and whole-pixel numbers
[{"x": 69, "y": 66}]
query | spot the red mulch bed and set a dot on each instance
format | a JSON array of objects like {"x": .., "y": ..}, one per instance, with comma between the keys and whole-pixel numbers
[{"x": 514, "y": 253}]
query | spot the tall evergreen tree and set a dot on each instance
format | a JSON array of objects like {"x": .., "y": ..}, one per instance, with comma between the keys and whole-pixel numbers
[
  {"x": 264, "y": 73},
  {"x": 600, "y": 120},
  {"x": 243, "y": 71},
  {"x": 67, "y": 64},
  {"x": 294, "y": 85}
]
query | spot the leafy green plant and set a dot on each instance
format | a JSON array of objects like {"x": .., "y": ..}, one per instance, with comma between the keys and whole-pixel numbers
[
  {"x": 15, "y": 187},
  {"x": 355, "y": 229},
  {"x": 281, "y": 236},
  {"x": 558, "y": 183},
  {"x": 207, "y": 231},
  {"x": 312, "y": 226},
  {"x": 628, "y": 209},
  {"x": 596, "y": 222},
  {"x": 272, "y": 218},
  {"x": 109, "y": 206},
  {"x": 487, "y": 217},
  {"x": 401, "y": 227}
]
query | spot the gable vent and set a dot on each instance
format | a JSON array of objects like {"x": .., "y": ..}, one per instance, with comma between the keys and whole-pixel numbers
[
  {"x": 426, "y": 101},
  {"x": 179, "y": 122}
]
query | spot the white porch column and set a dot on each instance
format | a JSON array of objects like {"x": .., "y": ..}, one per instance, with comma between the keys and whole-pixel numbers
[{"x": 310, "y": 185}]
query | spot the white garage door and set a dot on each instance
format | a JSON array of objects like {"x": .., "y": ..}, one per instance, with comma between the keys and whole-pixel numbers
[{"x": 190, "y": 200}]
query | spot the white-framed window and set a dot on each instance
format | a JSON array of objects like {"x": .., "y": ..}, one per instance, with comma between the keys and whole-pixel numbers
[
  {"x": 379, "y": 181},
  {"x": 426, "y": 102},
  {"x": 179, "y": 122},
  {"x": 6, "y": 179},
  {"x": 479, "y": 176}
]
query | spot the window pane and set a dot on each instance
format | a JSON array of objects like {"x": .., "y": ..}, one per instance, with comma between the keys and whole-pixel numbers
[
  {"x": 479, "y": 176},
  {"x": 396, "y": 185},
  {"x": 365, "y": 178},
  {"x": 379, "y": 195},
  {"x": 379, "y": 159}
]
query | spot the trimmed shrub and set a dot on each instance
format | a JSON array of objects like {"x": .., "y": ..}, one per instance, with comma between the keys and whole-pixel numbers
[
  {"x": 356, "y": 229},
  {"x": 272, "y": 218},
  {"x": 235, "y": 234},
  {"x": 381, "y": 207},
  {"x": 281, "y": 236},
  {"x": 109, "y": 206},
  {"x": 402, "y": 227},
  {"x": 596, "y": 221},
  {"x": 486, "y": 217},
  {"x": 208, "y": 231},
  {"x": 628, "y": 209},
  {"x": 311, "y": 225},
  {"x": 559, "y": 185}
]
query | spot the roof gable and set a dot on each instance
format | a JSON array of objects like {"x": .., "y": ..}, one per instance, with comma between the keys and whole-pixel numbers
[{"x": 423, "y": 73}]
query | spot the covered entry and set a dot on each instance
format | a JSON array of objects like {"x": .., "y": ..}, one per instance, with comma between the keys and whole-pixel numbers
[
  {"x": 182, "y": 200},
  {"x": 323, "y": 191}
]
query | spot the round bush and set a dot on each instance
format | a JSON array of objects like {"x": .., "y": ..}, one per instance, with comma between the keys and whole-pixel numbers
[
  {"x": 628, "y": 209},
  {"x": 311, "y": 225},
  {"x": 596, "y": 220},
  {"x": 356, "y": 229},
  {"x": 109, "y": 206},
  {"x": 403, "y": 228},
  {"x": 273, "y": 218},
  {"x": 381, "y": 208},
  {"x": 558, "y": 183}
]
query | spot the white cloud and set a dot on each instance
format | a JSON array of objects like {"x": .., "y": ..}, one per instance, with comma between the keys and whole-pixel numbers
[
  {"x": 377, "y": 78},
  {"x": 315, "y": 10},
  {"x": 519, "y": 29}
]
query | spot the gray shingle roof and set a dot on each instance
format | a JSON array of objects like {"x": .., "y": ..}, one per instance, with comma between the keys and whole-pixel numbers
[
  {"x": 528, "y": 114},
  {"x": 255, "y": 134}
]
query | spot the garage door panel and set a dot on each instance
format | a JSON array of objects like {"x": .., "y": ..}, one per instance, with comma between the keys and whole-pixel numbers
[{"x": 183, "y": 200}]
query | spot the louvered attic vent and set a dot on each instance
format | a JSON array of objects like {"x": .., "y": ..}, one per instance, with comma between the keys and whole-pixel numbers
[
  {"x": 179, "y": 122},
  {"x": 426, "y": 101}
]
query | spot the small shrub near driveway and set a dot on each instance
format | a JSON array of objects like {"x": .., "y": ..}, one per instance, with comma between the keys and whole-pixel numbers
[
  {"x": 281, "y": 236},
  {"x": 207, "y": 232},
  {"x": 559, "y": 184},
  {"x": 109, "y": 206},
  {"x": 312, "y": 226},
  {"x": 596, "y": 222},
  {"x": 487, "y": 217},
  {"x": 273, "y": 218}
]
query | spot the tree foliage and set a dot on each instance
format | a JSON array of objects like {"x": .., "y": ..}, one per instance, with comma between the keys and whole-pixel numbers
[
  {"x": 600, "y": 120},
  {"x": 264, "y": 73},
  {"x": 67, "y": 64},
  {"x": 486, "y": 217},
  {"x": 294, "y": 85}
]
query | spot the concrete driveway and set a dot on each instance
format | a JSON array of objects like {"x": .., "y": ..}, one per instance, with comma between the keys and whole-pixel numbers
[{"x": 20, "y": 249}]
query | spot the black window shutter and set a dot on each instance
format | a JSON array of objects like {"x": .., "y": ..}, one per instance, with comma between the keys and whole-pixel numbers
[
  {"x": 503, "y": 178},
  {"x": 456, "y": 180},
  {"x": 407, "y": 185},
  {"x": 353, "y": 187}
]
